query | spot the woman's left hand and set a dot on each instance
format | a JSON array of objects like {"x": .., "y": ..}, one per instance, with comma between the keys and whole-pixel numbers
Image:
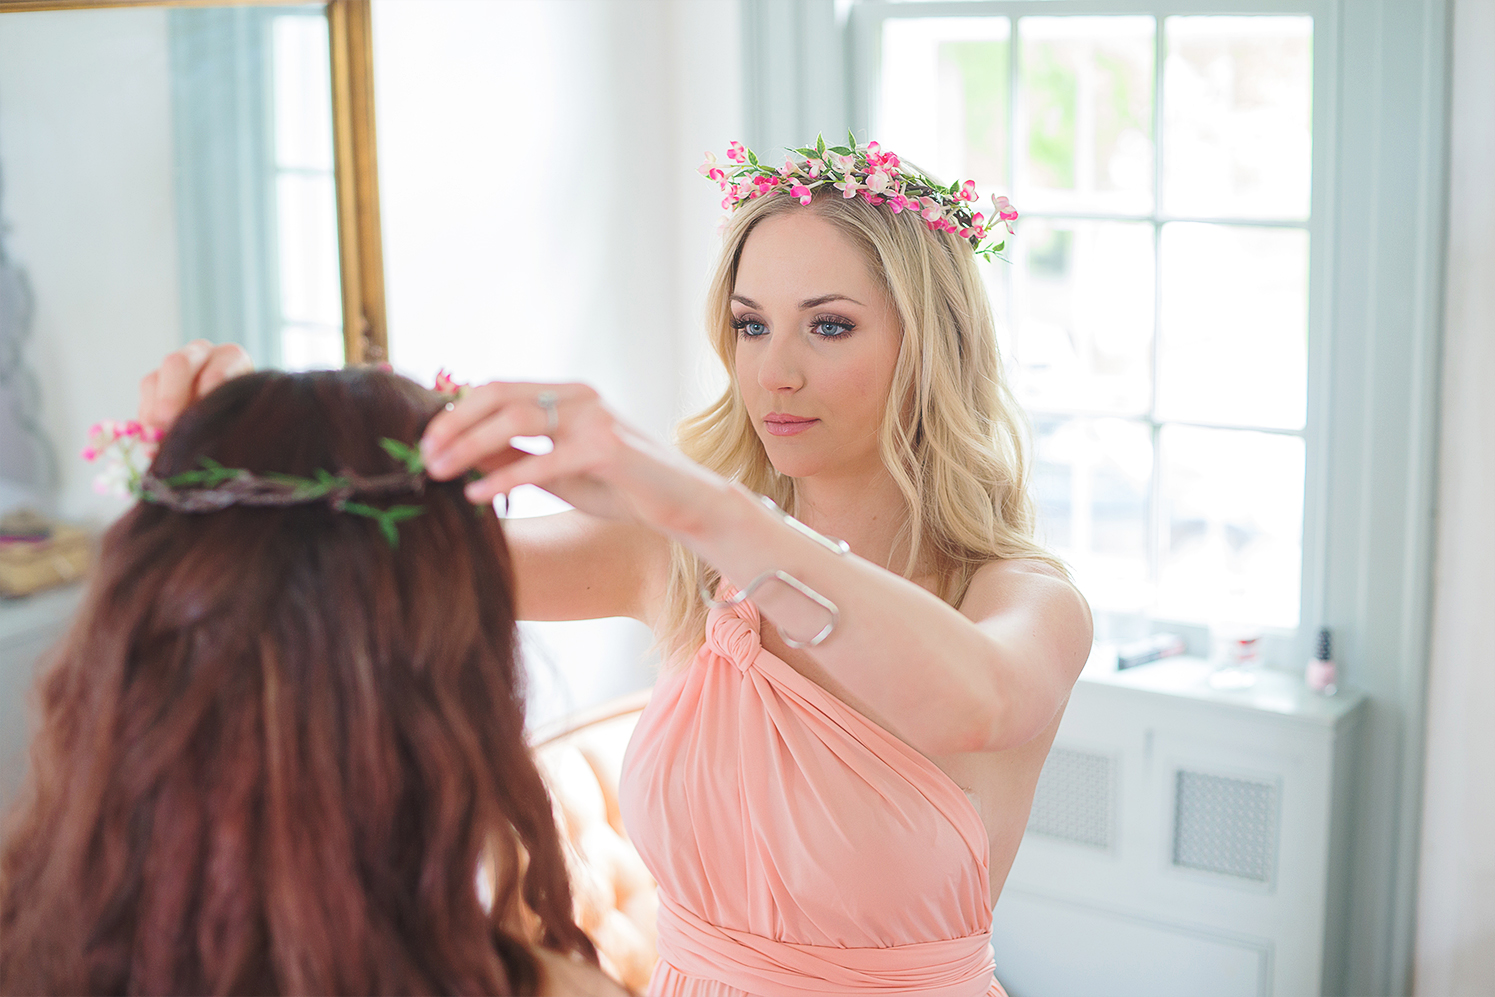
[{"x": 598, "y": 463}]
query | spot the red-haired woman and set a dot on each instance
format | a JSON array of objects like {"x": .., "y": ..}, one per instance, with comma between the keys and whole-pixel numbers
[{"x": 276, "y": 748}]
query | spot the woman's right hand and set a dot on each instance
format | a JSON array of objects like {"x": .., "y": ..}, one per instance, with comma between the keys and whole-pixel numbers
[{"x": 185, "y": 376}]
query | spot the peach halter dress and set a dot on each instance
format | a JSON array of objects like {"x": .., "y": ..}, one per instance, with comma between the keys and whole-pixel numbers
[{"x": 800, "y": 849}]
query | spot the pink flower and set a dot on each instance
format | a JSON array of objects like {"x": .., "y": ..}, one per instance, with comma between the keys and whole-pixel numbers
[
  {"x": 849, "y": 186},
  {"x": 788, "y": 169},
  {"x": 877, "y": 159},
  {"x": 898, "y": 202},
  {"x": 801, "y": 192},
  {"x": 843, "y": 163},
  {"x": 816, "y": 167},
  {"x": 737, "y": 152},
  {"x": 446, "y": 385},
  {"x": 872, "y": 198},
  {"x": 967, "y": 191},
  {"x": 709, "y": 169},
  {"x": 931, "y": 211},
  {"x": 1004, "y": 208},
  {"x": 878, "y": 181}
]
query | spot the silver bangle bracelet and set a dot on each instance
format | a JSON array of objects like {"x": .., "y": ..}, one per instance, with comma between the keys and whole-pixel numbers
[{"x": 835, "y": 546}]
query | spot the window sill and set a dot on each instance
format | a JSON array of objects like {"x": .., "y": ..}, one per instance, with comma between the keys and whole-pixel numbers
[{"x": 1275, "y": 692}]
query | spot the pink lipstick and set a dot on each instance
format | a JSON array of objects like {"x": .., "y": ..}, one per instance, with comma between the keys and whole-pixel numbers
[{"x": 780, "y": 424}]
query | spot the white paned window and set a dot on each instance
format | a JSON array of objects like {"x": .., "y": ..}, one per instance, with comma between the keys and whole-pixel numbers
[
  {"x": 311, "y": 315},
  {"x": 1156, "y": 305}
]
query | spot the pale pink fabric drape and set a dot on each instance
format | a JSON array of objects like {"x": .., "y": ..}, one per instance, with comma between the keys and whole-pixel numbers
[{"x": 800, "y": 849}]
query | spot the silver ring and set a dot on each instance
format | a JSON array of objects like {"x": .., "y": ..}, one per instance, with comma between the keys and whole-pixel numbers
[{"x": 548, "y": 400}]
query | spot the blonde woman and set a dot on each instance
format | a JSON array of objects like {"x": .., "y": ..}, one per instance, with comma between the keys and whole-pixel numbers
[{"x": 833, "y": 775}]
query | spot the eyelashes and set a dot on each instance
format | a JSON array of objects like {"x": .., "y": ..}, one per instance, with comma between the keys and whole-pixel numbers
[
  {"x": 823, "y": 326},
  {"x": 842, "y": 326}
]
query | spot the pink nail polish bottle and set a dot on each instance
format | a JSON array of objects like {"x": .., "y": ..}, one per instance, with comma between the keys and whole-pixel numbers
[{"x": 1320, "y": 675}]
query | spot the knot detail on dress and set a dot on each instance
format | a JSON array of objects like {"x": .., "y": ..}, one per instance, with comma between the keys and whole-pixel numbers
[{"x": 732, "y": 631}]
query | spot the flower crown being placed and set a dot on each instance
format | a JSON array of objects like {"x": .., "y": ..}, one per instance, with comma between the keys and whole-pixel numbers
[
  {"x": 877, "y": 177},
  {"x": 128, "y": 448}
]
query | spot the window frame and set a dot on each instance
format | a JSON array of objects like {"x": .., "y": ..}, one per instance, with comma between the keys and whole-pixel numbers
[{"x": 1281, "y": 646}]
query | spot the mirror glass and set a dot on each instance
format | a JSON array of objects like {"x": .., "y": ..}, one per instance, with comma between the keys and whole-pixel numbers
[{"x": 167, "y": 175}]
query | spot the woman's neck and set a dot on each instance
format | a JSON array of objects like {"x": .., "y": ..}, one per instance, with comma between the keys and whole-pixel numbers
[{"x": 867, "y": 511}]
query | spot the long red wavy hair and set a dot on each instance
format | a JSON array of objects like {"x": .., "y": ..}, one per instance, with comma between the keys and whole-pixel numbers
[{"x": 273, "y": 750}]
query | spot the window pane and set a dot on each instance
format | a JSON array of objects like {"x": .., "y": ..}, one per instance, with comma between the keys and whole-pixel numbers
[
  {"x": 944, "y": 98},
  {"x": 1091, "y": 479},
  {"x": 1084, "y": 297},
  {"x": 1234, "y": 325},
  {"x": 311, "y": 347},
  {"x": 1232, "y": 505},
  {"x": 1237, "y": 131},
  {"x": 310, "y": 287},
  {"x": 1085, "y": 114},
  {"x": 303, "y": 108}
]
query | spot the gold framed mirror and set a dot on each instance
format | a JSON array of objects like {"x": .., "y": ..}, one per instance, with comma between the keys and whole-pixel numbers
[{"x": 231, "y": 231}]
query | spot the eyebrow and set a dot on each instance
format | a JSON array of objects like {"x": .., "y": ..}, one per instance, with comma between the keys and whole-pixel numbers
[{"x": 804, "y": 305}]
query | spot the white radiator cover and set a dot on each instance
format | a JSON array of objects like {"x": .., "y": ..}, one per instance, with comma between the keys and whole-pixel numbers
[{"x": 1184, "y": 841}]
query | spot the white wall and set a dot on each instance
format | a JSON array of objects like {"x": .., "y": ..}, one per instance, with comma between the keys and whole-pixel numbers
[
  {"x": 1455, "y": 952},
  {"x": 544, "y": 220},
  {"x": 85, "y": 145}
]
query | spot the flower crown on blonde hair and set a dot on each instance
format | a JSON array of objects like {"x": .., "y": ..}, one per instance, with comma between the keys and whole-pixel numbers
[{"x": 877, "y": 177}]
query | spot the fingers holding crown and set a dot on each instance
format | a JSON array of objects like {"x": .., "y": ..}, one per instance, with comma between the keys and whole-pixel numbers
[{"x": 477, "y": 431}]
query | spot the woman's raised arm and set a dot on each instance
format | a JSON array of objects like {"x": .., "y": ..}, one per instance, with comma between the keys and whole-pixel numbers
[
  {"x": 986, "y": 677},
  {"x": 575, "y": 566}
]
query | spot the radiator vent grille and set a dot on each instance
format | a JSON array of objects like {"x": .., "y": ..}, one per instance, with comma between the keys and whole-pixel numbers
[
  {"x": 1075, "y": 798},
  {"x": 1225, "y": 826}
]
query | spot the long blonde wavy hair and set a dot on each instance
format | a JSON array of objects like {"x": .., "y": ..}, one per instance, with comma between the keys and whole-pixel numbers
[{"x": 952, "y": 436}]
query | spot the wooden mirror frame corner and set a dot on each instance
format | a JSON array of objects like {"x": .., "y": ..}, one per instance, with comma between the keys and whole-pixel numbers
[{"x": 355, "y": 159}]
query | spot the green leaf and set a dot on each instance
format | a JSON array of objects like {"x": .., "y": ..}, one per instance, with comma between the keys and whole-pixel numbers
[
  {"x": 387, "y": 519},
  {"x": 851, "y": 138},
  {"x": 820, "y": 146},
  {"x": 405, "y": 454},
  {"x": 212, "y": 475},
  {"x": 400, "y": 513},
  {"x": 752, "y": 157}
]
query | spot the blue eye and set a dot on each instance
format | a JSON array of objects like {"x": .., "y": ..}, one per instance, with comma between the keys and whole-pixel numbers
[
  {"x": 831, "y": 328},
  {"x": 751, "y": 328}
]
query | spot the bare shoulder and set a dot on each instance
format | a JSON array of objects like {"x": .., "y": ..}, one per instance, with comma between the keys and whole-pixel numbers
[
  {"x": 1021, "y": 581},
  {"x": 565, "y": 976},
  {"x": 1026, "y": 594},
  {"x": 574, "y": 566}
]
